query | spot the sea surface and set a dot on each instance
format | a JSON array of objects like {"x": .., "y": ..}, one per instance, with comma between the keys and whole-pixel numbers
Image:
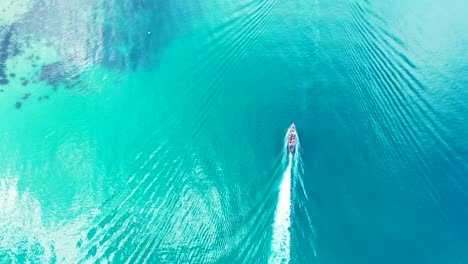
[{"x": 138, "y": 131}]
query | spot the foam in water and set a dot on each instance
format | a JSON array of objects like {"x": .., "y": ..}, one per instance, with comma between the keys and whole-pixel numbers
[{"x": 281, "y": 235}]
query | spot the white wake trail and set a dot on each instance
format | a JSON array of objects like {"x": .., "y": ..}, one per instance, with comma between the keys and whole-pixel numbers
[{"x": 281, "y": 233}]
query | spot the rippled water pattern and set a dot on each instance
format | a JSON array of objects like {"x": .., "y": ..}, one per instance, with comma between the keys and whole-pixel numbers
[{"x": 140, "y": 131}]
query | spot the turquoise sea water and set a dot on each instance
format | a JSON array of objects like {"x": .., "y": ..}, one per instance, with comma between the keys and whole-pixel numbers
[{"x": 154, "y": 131}]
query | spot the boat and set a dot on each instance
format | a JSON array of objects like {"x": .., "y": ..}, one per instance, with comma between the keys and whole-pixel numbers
[{"x": 292, "y": 138}]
